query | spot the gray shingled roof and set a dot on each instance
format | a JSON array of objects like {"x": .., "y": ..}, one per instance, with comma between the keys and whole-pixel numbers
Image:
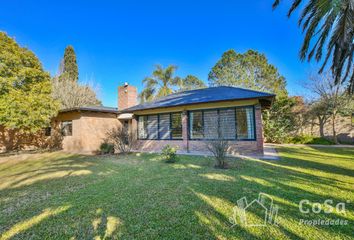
[
  {"x": 212, "y": 94},
  {"x": 92, "y": 109}
]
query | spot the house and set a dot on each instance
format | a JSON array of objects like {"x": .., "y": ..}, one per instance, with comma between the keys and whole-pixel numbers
[{"x": 185, "y": 119}]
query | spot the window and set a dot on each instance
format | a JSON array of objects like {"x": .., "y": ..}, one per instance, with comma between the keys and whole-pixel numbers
[
  {"x": 67, "y": 128},
  {"x": 161, "y": 126},
  {"x": 152, "y": 127},
  {"x": 176, "y": 126},
  {"x": 142, "y": 127},
  {"x": 196, "y": 125},
  {"x": 245, "y": 123},
  {"x": 211, "y": 124},
  {"x": 164, "y": 126},
  {"x": 228, "y": 123}
]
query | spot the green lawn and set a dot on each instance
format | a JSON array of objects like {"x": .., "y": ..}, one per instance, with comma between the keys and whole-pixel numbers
[{"x": 62, "y": 196}]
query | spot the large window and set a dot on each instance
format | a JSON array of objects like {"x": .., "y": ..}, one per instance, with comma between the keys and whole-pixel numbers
[
  {"x": 196, "y": 125},
  {"x": 245, "y": 123},
  {"x": 229, "y": 123},
  {"x": 67, "y": 128},
  {"x": 176, "y": 126},
  {"x": 162, "y": 126}
]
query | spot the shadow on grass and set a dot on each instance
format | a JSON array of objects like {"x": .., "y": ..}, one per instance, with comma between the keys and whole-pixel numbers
[{"x": 154, "y": 200}]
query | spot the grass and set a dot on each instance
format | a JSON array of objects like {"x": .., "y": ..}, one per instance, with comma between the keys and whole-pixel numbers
[{"x": 62, "y": 196}]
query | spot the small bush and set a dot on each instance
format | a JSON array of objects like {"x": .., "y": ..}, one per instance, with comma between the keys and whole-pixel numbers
[
  {"x": 301, "y": 139},
  {"x": 322, "y": 141},
  {"x": 219, "y": 149},
  {"x": 107, "y": 148},
  {"x": 308, "y": 139},
  {"x": 169, "y": 154},
  {"x": 122, "y": 140}
]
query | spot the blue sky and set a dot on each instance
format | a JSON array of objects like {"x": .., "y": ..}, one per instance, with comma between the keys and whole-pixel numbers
[{"x": 121, "y": 41}]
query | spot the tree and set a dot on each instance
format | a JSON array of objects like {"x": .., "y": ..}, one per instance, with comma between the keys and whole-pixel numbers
[
  {"x": 26, "y": 104},
  {"x": 333, "y": 97},
  {"x": 279, "y": 121},
  {"x": 69, "y": 68},
  {"x": 160, "y": 84},
  {"x": 252, "y": 70},
  {"x": 72, "y": 94},
  {"x": 319, "y": 110},
  {"x": 330, "y": 25},
  {"x": 147, "y": 95},
  {"x": 191, "y": 82},
  {"x": 248, "y": 70},
  {"x": 66, "y": 88}
]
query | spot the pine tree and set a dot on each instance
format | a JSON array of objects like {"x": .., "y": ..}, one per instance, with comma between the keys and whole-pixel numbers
[
  {"x": 70, "y": 68},
  {"x": 249, "y": 70}
]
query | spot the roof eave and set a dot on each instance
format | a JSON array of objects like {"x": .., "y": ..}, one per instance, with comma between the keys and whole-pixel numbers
[
  {"x": 270, "y": 97},
  {"x": 87, "y": 110}
]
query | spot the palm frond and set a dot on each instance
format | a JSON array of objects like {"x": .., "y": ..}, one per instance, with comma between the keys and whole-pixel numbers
[
  {"x": 331, "y": 22},
  {"x": 295, "y": 4}
]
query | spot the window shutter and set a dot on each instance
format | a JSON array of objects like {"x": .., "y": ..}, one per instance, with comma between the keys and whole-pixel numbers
[
  {"x": 164, "y": 124},
  {"x": 152, "y": 127},
  {"x": 227, "y": 123},
  {"x": 211, "y": 124}
]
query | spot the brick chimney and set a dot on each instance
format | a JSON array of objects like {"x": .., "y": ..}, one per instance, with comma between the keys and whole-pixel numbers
[{"x": 127, "y": 96}]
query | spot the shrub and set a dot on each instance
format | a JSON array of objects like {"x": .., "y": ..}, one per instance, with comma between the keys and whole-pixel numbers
[
  {"x": 219, "y": 147},
  {"x": 122, "y": 140},
  {"x": 169, "y": 154},
  {"x": 301, "y": 139},
  {"x": 322, "y": 141},
  {"x": 219, "y": 150},
  {"x": 107, "y": 148},
  {"x": 308, "y": 139}
]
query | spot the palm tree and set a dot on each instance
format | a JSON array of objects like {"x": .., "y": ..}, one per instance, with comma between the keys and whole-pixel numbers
[
  {"x": 329, "y": 22},
  {"x": 160, "y": 84},
  {"x": 147, "y": 95}
]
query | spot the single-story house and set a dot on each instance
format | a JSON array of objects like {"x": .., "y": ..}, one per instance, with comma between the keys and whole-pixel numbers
[{"x": 185, "y": 119}]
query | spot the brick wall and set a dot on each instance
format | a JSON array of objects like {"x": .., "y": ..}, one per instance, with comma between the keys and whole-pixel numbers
[
  {"x": 244, "y": 147},
  {"x": 127, "y": 96}
]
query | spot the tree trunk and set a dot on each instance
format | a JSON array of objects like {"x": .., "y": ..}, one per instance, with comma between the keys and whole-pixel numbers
[
  {"x": 335, "y": 140},
  {"x": 321, "y": 124}
]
